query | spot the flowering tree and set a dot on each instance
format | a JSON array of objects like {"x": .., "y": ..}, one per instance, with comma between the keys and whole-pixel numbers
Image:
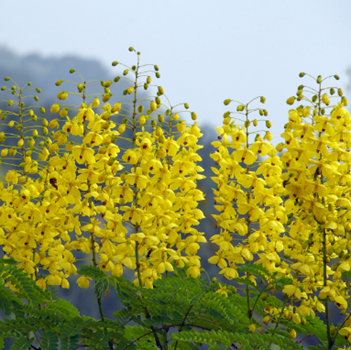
[{"x": 119, "y": 182}]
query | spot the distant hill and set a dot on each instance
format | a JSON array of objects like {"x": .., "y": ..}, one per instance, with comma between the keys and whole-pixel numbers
[{"x": 42, "y": 72}]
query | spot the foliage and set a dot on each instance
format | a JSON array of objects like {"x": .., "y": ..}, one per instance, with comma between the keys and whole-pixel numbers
[{"x": 120, "y": 184}]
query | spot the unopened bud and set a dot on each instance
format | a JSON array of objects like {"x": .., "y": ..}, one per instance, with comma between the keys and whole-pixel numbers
[
  {"x": 160, "y": 118},
  {"x": 161, "y": 90},
  {"x": 262, "y": 99},
  {"x": 290, "y": 100},
  {"x": 125, "y": 72},
  {"x": 255, "y": 122},
  {"x": 332, "y": 91},
  {"x": 186, "y": 106},
  {"x": 344, "y": 101},
  {"x": 122, "y": 128},
  {"x": 55, "y": 108},
  {"x": 116, "y": 79},
  {"x": 146, "y": 86},
  {"x": 226, "y": 102},
  {"x": 142, "y": 120},
  {"x": 268, "y": 124},
  {"x": 58, "y": 82},
  {"x": 325, "y": 99},
  {"x": 336, "y": 77},
  {"x": 240, "y": 108},
  {"x": 148, "y": 80},
  {"x": 302, "y": 74},
  {"x": 193, "y": 116},
  {"x": 153, "y": 105},
  {"x": 156, "y": 67},
  {"x": 72, "y": 70},
  {"x": 158, "y": 75},
  {"x": 319, "y": 79},
  {"x": 116, "y": 107},
  {"x": 340, "y": 92},
  {"x": 176, "y": 117},
  {"x": 114, "y": 63}
]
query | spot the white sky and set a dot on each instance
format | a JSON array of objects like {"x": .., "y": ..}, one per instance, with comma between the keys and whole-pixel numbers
[{"x": 207, "y": 51}]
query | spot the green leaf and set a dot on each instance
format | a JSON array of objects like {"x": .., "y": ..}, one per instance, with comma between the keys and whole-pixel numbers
[{"x": 22, "y": 344}]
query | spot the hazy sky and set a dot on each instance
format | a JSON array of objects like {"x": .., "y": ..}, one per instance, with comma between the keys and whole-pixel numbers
[{"x": 207, "y": 51}]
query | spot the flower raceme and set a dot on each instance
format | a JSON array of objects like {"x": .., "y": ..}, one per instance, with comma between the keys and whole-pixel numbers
[
  {"x": 134, "y": 208},
  {"x": 288, "y": 212}
]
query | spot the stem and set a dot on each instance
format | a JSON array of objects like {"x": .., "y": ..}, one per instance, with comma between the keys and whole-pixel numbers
[
  {"x": 326, "y": 303},
  {"x": 280, "y": 316},
  {"x": 249, "y": 311},
  {"x": 137, "y": 262},
  {"x": 181, "y": 327}
]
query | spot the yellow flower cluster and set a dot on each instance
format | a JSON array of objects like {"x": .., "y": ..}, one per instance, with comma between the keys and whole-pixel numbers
[
  {"x": 134, "y": 207},
  {"x": 289, "y": 212}
]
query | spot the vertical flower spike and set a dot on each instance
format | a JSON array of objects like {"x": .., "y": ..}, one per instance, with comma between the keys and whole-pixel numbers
[
  {"x": 317, "y": 166},
  {"x": 248, "y": 198}
]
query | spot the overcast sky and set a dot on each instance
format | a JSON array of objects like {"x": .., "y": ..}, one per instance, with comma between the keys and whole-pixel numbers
[{"x": 207, "y": 51}]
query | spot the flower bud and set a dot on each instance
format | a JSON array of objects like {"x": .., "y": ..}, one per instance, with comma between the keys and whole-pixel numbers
[
  {"x": 156, "y": 67},
  {"x": 10, "y": 102},
  {"x": 140, "y": 108},
  {"x": 325, "y": 99},
  {"x": 302, "y": 74},
  {"x": 265, "y": 112},
  {"x": 336, "y": 77},
  {"x": 38, "y": 90},
  {"x": 130, "y": 90},
  {"x": 58, "y": 82},
  {"x": 114, "y": 63},
  {"x": 53, "y": 124},
  {"x": 7, "y": 79},
  {"x": 160, "y": 118},
  {"x": 122, "y": 128},
  {"x": 262, "y": 99},
  {"x": 186, "y": 106},
  {"x": 3, "y": 116},
  {"x": 176, "y": 117},
  {"x": 106, "y": 97},
  {"x": 290, "y": 100},
  {"x": 96, "y": 102},
  {"x": 148, "y": 80},
  {"x": 146, "y": 86},
  {"x": 332, "y": 91},
  {"x": 255, "y": 122},
  {"x": 116, "y": 107},
  {"x": 226, "y": 102},
  {"x": 158, "y": 75},
  {"x": 344, "y": 101},
  {"x": 72, "y": 70},
  {"x": 153, "y": 105},
  {"x": 268, "y": 136},
  {"x": 240, "y": 108},
  {"x": 116, "y": 79},
  {"x": 193, "y": 116},
  {"x": 292, "y": 334},
  {"x": 340, "y": 92},
  {"x": 64, "y": 112},
  {"x": 4, "y": 152},
  {"x": 44, "y": 122},
  {"x": 11, "y": 124},
  {"x": 55, "y": 108},
  {"x": 125, "y": 72},
  {"x": 319, "y": 79},
  {"x": 161, "y": 90},
  {"x": 268, "y": 124},
  {"x": 3, "y": 88},
  {"x": 20, "y": 143},
  {"x": 142, "y": 120},
  {"x": 36, "y": 98}
]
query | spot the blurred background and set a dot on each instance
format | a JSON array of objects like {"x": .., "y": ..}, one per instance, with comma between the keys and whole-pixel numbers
[{"x": 207, "y": 51}]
